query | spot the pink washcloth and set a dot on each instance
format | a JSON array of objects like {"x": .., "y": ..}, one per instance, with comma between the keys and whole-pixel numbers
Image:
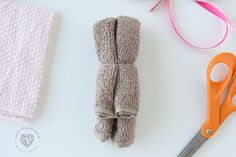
[{"x": 24, "y": 38}]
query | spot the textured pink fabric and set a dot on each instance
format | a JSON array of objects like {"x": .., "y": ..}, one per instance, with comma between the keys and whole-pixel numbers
[{"x": 24, "y": 38}]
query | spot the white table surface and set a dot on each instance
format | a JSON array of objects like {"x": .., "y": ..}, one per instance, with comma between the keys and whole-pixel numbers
[{"x": 173, "y": 103}]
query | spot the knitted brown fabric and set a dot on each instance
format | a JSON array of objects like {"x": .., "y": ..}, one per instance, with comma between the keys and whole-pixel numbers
[
  {"x": 127, "y": 45},
  {"x": 117, "y": 94},
  {"x": 104, "y": 34},
  {"x": 103, "y": 128},
  {"x": 127, "y": 87},
  {"x": 124, "y": 132}
]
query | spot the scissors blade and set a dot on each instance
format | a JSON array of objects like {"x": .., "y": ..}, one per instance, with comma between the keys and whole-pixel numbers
[{"x": 193, "y": 145}]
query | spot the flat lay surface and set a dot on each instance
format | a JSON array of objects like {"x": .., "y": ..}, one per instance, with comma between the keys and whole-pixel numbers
[{"x": 173, "y": 87}]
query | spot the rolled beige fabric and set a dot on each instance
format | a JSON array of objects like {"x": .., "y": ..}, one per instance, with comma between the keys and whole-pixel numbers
[
  {"x": 104, "y": 35},
  {"x": 127, "y": 39},
  {"x": 127, "y": 91},
  {"x": 127, "y": 87},
  {"x": 117, "y": 94},
  {"x": 126, "y": 101},
  {"x": 103, "y": 128},
  {"x": 124, "y": 132}
]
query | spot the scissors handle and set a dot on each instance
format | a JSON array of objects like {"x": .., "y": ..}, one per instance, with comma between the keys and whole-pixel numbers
[
  {"x": 217, "y": 113},
  {"x": 228, "y": 107}
]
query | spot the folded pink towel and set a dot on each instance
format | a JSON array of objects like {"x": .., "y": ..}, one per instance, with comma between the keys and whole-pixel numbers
[{"x": 24, "y": 38}]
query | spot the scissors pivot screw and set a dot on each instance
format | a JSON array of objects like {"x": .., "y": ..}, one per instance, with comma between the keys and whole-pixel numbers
[{"x": 208, "y": 131}]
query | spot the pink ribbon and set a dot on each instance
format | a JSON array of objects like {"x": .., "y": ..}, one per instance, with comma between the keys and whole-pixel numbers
[{"x": 209, "y": 7}]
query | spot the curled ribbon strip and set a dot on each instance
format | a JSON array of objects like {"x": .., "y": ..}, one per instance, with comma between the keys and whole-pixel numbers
[{"x": 209, "y": 7}]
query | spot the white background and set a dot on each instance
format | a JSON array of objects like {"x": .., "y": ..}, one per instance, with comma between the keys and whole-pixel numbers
[{"x": 173, "y": 102}]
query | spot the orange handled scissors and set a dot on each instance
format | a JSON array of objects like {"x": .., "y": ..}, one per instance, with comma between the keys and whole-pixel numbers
[{"x": 217, "y": 111}]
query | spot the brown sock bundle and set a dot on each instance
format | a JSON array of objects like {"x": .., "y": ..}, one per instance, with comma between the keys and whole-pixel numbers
[{"x": 117, "y": 93}]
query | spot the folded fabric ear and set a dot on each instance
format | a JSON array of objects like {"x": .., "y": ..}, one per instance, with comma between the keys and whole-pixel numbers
[{"x": 24, "y": 38}]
